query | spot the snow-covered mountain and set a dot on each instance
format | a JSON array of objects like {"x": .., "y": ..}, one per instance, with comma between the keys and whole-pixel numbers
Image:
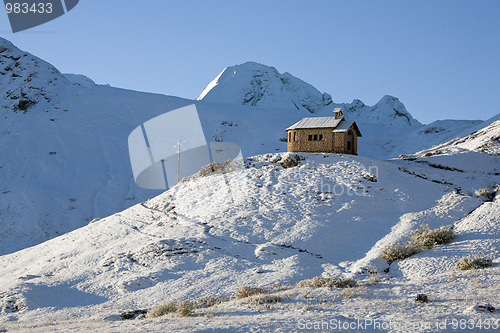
[
  {"x": 27, "y": 80},
  {"x": 63, "y": 144},
  {"x": 64, "y": 163},
  {"x": 330, "y": 215},
  {"x": 255, "y": 84},
  {"x": 389, "y": 111}
]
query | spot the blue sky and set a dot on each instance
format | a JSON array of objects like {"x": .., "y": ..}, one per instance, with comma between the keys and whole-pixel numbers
[{"x": 440, "y": 58}]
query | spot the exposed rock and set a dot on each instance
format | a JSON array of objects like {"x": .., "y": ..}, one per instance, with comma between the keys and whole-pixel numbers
[{"x": 421, "y": 298}]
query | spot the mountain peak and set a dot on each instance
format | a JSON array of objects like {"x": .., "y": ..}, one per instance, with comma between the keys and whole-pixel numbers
[
  {"x": 26, "y": 80},
  {"x": 255, "y": 84},
  {"x": 390, "y": 106}
]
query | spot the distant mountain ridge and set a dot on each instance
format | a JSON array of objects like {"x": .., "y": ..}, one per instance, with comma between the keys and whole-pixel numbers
[
  {"x": 256, "y": 84},
  {"x": 486, "y": 140}
]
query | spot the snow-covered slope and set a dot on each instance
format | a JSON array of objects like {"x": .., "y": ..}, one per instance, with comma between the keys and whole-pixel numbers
[
  {"x": 485, "y": 140},
  {"x": 326, "y": 216},
  {"x": 64, "y": 156},
  {"x": 260, "y": 85},
  {"x": 467, "y": 165},
  {"x": 64, "y": 165}
]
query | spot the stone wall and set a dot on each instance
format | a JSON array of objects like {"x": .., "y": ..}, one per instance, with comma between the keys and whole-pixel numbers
[
  {"x": 339, "y": 142},
  {"x": 303, "y": 144},
  {"x": 330, "y": 143}
]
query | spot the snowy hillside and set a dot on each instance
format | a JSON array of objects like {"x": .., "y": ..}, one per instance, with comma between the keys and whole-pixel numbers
[
  {"x": 268, "y": 224},
  {"x": 485, "y": 140},
  {"x": 63, "y": 144},
  {"x": 465, "y": 165},
  {"x": 260, "y": 85}
]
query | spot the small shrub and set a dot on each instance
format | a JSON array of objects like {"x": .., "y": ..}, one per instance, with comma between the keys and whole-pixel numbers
[
  {"x": 395, "y": 252},
  {"x": 209, "y": 301},
  {"x": 244, "y": 292},
  {"x": 345, "y": 283},
  {"x": 162, "y": 310},
  {"x": 484, "y": 194},
  {"x": 185, "y": 309},
  {"x": 264, "y": 299},
  {"x": 427, "y": 238},
  {"x": 473, "y": 263},
  {"x": 331, "y": 282}
]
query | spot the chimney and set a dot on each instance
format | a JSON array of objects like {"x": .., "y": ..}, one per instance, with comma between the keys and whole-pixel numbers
[{"x": 338, "y": 113}]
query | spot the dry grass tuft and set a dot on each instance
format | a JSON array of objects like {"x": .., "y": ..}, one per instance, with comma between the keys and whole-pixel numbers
[
  {"x": 427, "y": 238},
  {"x": 265, "y": 299},
  {"x": 484, "y": 194},
  {"x": 331, "y": 282},
  {"x": 162, "y": 310},
  {"x": 244, "y": 292},
  {"x": 185, "y": 309},
  {"x": 395, "y": 252},
  {"x": 424, "y": 238},
  {"x": 209, "y": 301},
  {"x": 473, "y": 263}
]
